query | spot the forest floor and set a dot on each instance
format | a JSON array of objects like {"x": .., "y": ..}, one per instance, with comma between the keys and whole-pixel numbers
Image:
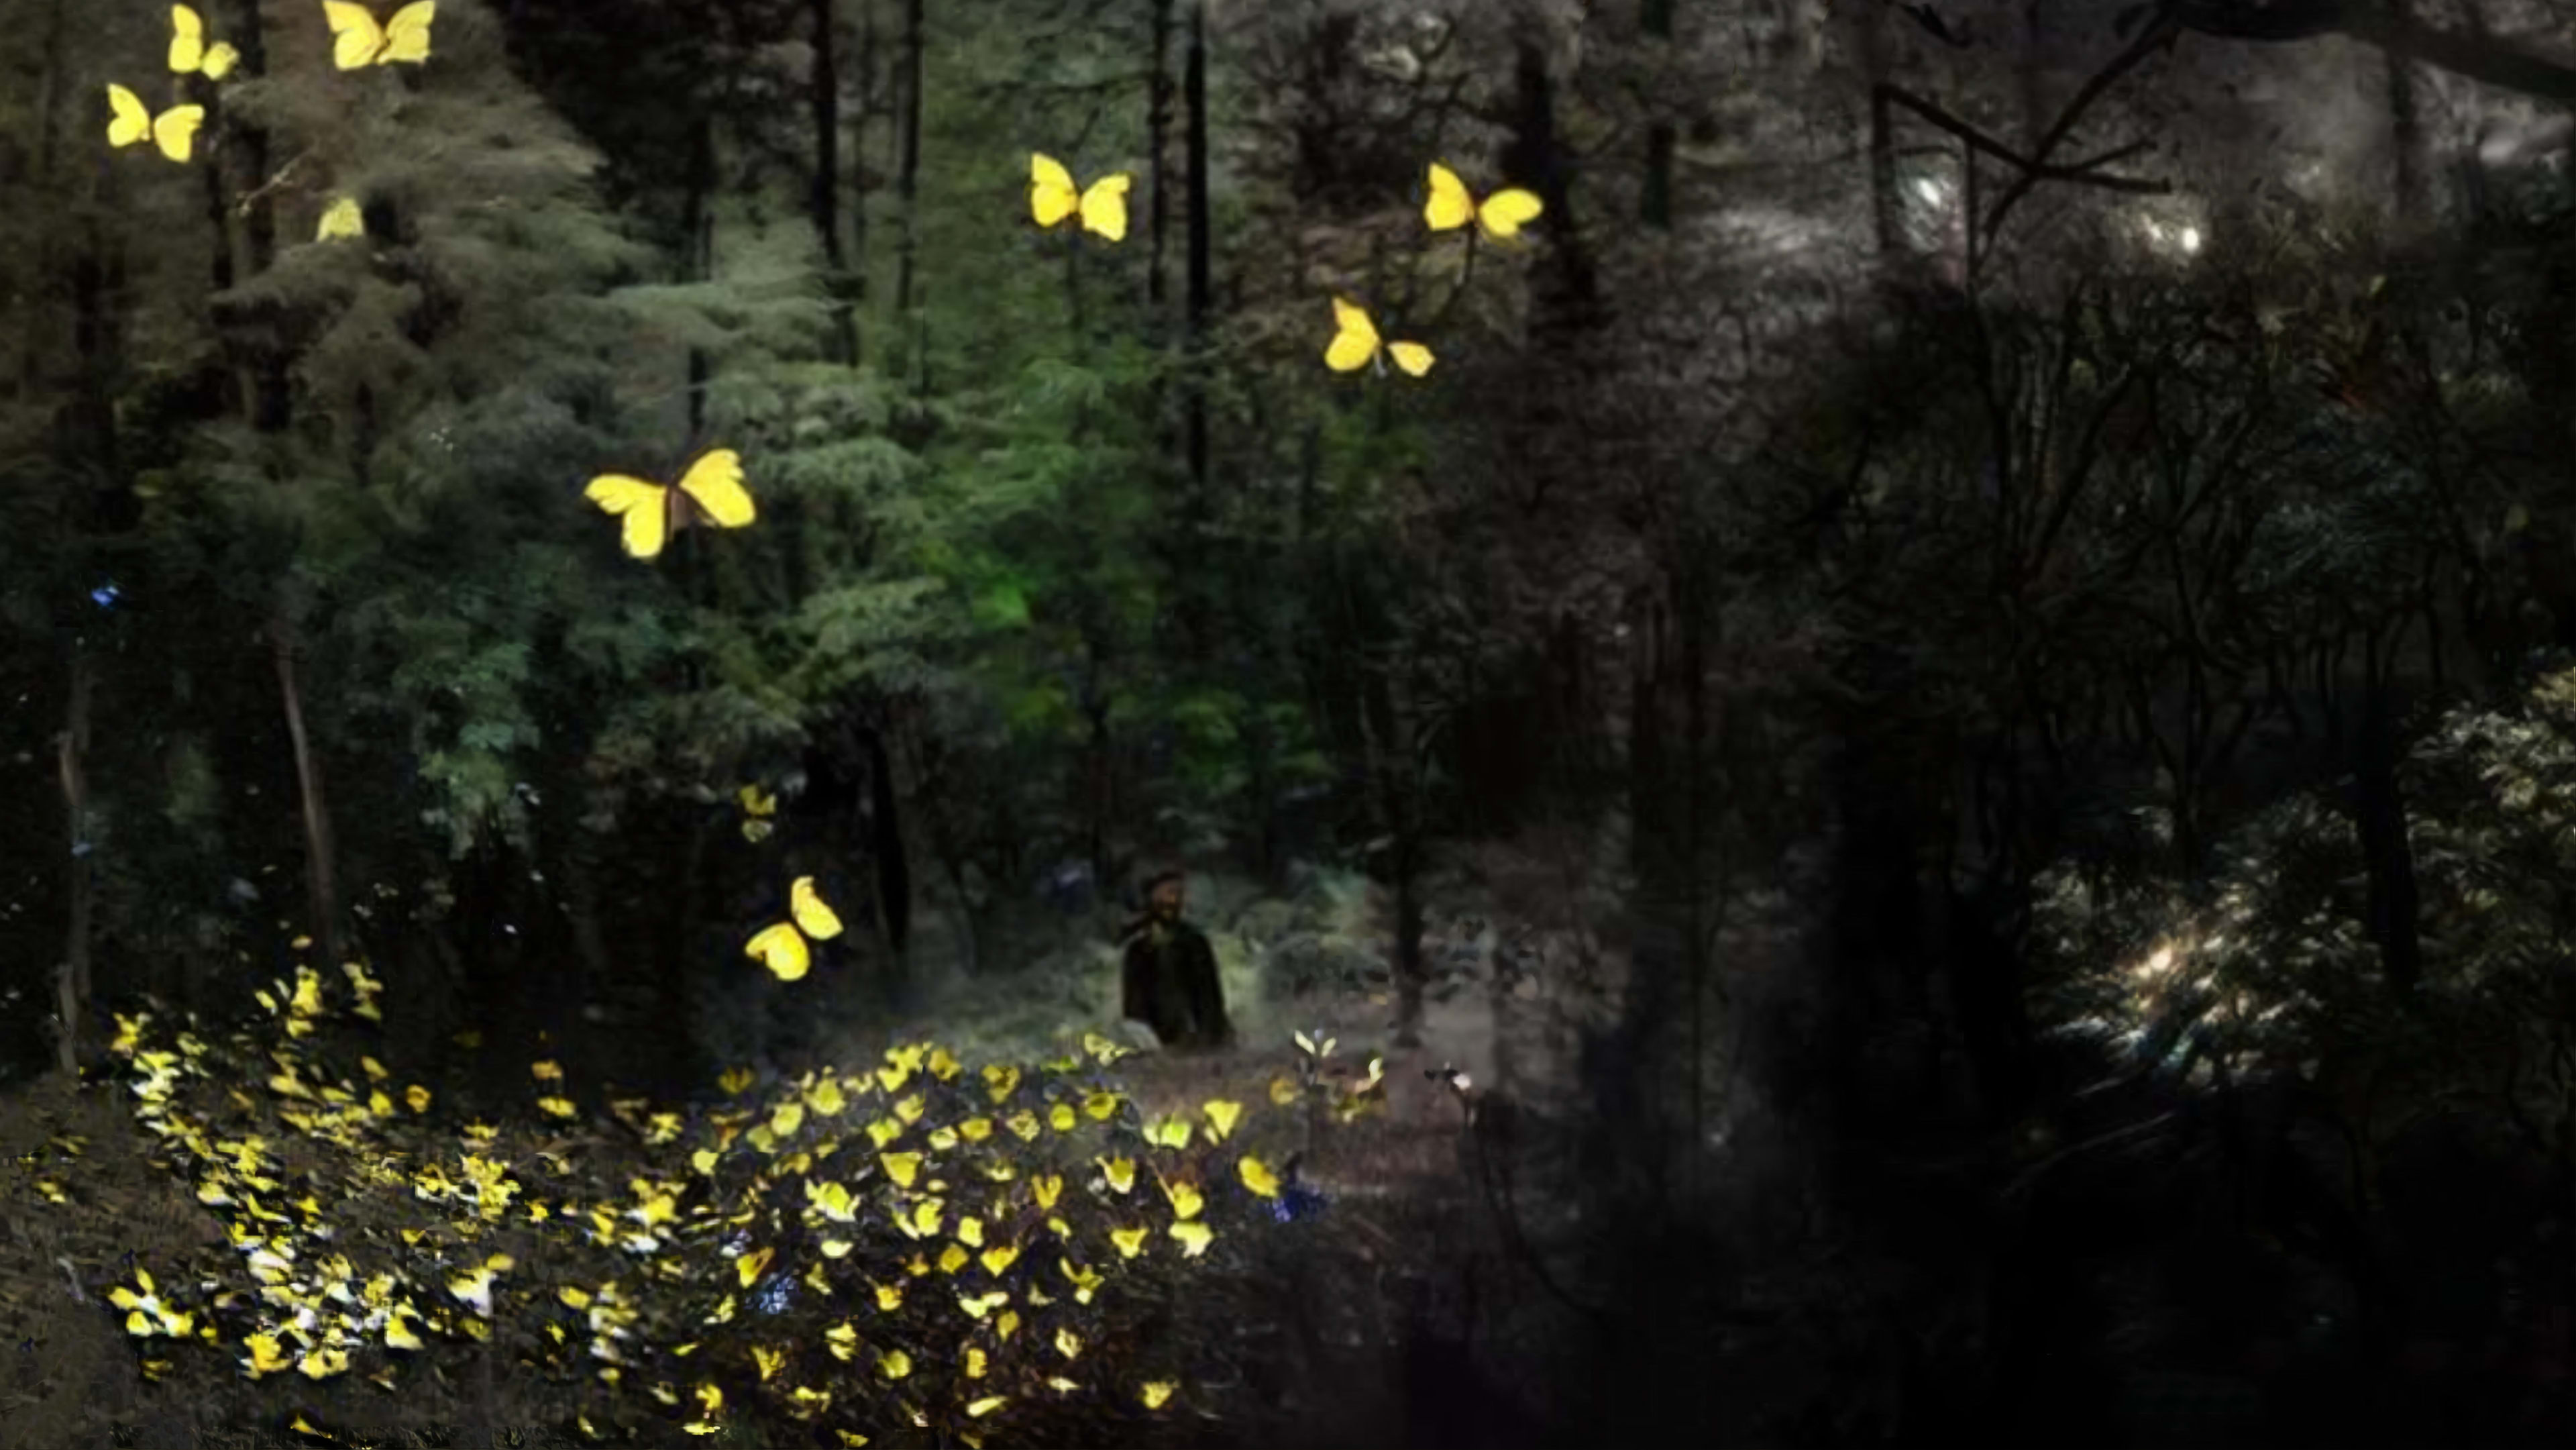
[{"x": 1392, "y": 1318}]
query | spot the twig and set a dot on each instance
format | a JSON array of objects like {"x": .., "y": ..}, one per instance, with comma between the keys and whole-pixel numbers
[
  {"x": 2157, "y": 34},
  {"x": 2032, "y": 169}
]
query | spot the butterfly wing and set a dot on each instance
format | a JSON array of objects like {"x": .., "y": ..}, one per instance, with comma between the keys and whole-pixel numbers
[
  {"x": 1507, "y": 211},
  {"x": 341, "y": 218},
  {"x": 643, "y": 506},
  {"x": 1449, "y": 205},
  {"x": 780, "y": 949},
  {"x": 407, "y": 33},
  {"x": 1104, "y": 206},
  {"x": 219, "y": 61},
  {"x": 1413, "y": 357},
  {"x": 1051, "y": 194},
  {"x": 175, "y": 131},
  {"x": 356, "y": 38},
  {"x": 817, "y": 920},
  {"x": 129, "y": 122},
  {"x": 187, "y": 39},
  {"x": 714, "y": 483},
  {"x": 1354, "y": 339}
]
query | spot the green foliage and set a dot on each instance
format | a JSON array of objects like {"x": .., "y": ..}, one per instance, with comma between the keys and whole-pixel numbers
[{"x": 2275, "y": 969}]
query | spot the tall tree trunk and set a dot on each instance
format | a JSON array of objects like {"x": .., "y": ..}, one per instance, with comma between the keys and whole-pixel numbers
[
  {"x": 322, "y": 899},
  {"x": 2406, "y": 134},
  {"x": 72, "y": 974},
  {"x": 2379, "y": 810},
  {"x": 272, "y": 396},
  {"x": 1655, "y": 199},
  {"x": 907, "y": 183},
  {"x": 894, "y": 868},
  {"x": 698, "y": 211},
  {"x": 1158, "y": 130},
  {"x": 1194, "y": 98},
  {"x": 1390, "y": 732},
  {"x": 823, "y": 199},
  {"x": 859, "y": 173},
  {"x": 1569, "y": 298}
]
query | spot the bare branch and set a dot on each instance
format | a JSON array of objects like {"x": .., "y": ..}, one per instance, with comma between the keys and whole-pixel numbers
[{"x": 2032, "y": 171}]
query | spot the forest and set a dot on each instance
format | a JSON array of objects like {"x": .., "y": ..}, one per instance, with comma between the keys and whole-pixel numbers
[{"x": 1871, "y": 707}]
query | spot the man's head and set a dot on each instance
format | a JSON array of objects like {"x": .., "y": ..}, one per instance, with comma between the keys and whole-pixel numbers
[{"x": 1164, "y": 892}]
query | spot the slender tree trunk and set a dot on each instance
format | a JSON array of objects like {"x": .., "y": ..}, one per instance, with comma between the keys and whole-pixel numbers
[
  {"x": 1158, "y": 130},
  {"x": 2379, "y": 809},
  {"x": 272, "y": 401},
  {"x": 72, "y": 975},
  {"x": 859, "y": 174},
  {"x": 321, "y": 893},
  {"x": 1569, "y": 300},
  {"x": 1194, "y": 97},
  {"x": 699, "y": 212},
  {"x": 894, "y": 868},
  {"x": 1655, "y": 200},
  {"x": 1098, "y": 804},
  {"x": 1393, "y": 754},
  {"x": 2406, "y": 134},
  {"x": 824, "y": 195},
  {"x": 907, "y": 181}
]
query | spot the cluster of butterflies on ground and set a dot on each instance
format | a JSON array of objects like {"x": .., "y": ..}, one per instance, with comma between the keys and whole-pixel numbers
[
  {"x": 978, "y": 1172},
  {"x": 711, "y": 488}
]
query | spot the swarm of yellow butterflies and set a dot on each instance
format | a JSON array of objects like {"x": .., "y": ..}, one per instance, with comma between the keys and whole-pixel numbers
[
  {"x": 993, "y": 1294},
  {"x": 357, "y": 40},
  {"x": 1356, "y": 342}
]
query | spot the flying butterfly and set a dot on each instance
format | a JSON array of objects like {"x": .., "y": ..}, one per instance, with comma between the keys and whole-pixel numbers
[
  {"x": 189, "y": 53},
  {"x": 781, "y": 946},
  {"x": 757, "y": 808},
  {"x": 1102, "y": 206},
  {"x": 712, "y": 486},
  {"x": 174, "y": 130},
  {"x": 1501, "y": 215},
  {"x": 357, "y": 40},
  {"x": 1356, "y": 344},
  {"x": 341, "y": 218}
]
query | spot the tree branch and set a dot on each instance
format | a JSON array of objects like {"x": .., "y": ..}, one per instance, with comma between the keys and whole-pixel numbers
[
  {"x": 2032, "y": 170},
  {"x": 2493, "y": 62}
]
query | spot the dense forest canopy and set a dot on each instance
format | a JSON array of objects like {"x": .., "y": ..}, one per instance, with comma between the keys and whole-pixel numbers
[{"x": 1898, "y": 674}]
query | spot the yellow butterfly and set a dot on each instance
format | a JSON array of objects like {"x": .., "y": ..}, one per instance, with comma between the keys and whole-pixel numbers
[
  {"x": 174, "y": 130},
  {"x": 1451, "y": 206},
  {"x": 1356, "y": 343},
  {"x": 1052, "y": 198},
  {"x": 189, "y": 53},
  {"x": 757, "y": 807},
  {"x": 357, "y": 40},
  {"x": 341, "y": 218},
  {"x": 651, "y": 512},
  {"x": 1258, "y": 1177},
  {"x": 781, "y": 947}
]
